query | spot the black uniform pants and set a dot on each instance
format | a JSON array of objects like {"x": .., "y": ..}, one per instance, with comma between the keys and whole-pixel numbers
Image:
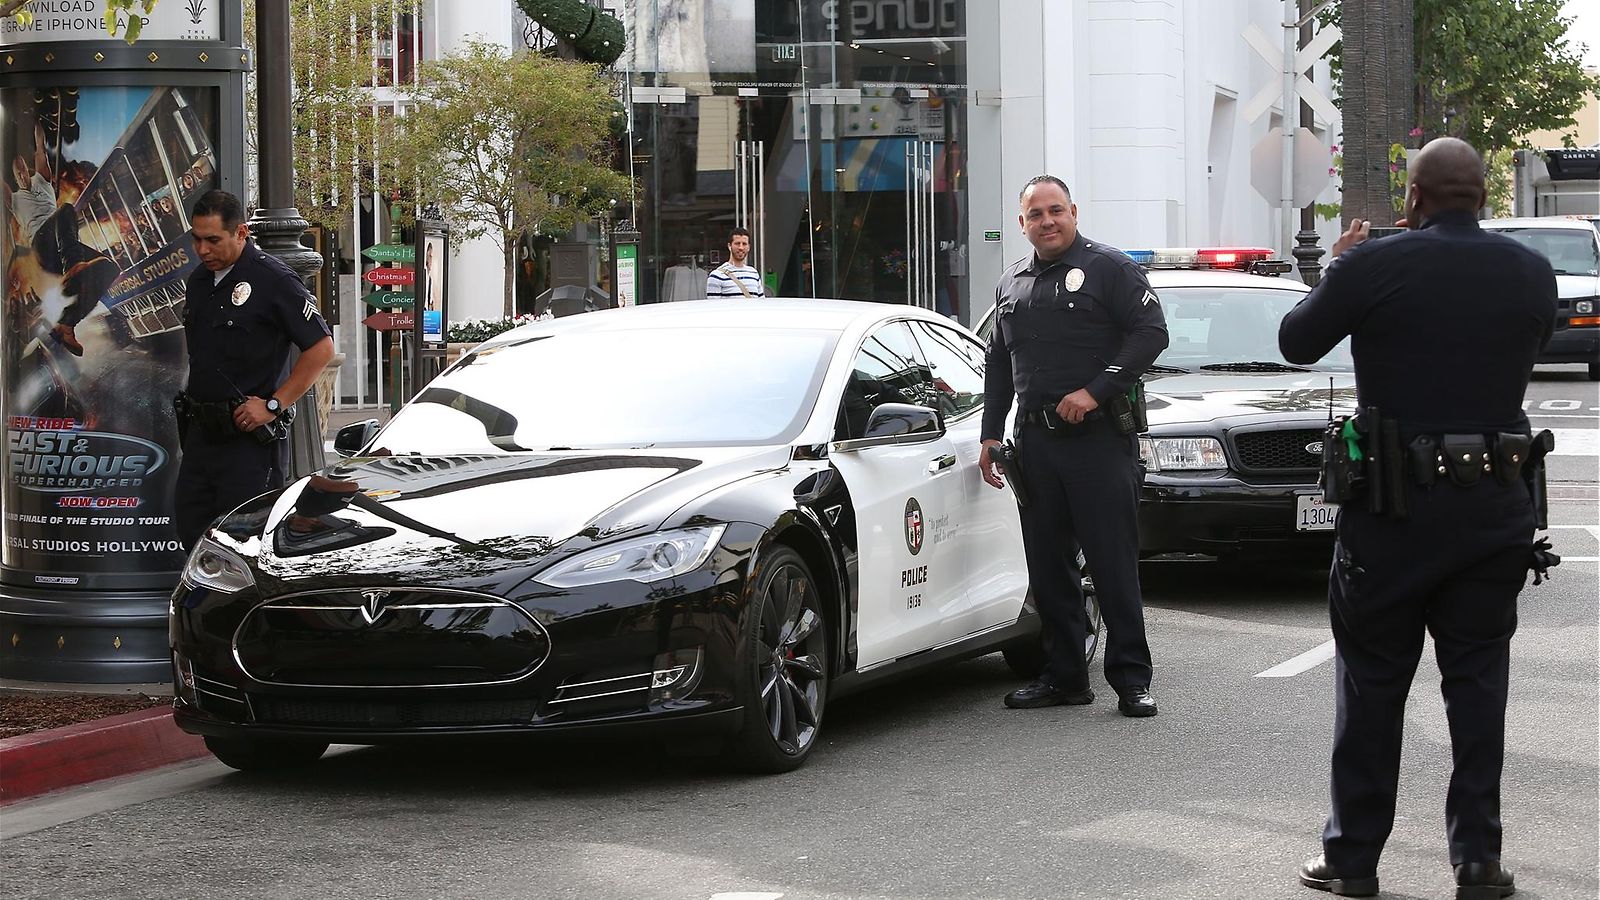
[
  {"x": 1084, "y": 492},
  {"x": 1453, "y": 570},
  {"x": 217, "y": 475}
]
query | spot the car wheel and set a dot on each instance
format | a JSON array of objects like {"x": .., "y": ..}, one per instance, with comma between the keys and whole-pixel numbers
[
  {"x": 782, "y": 666},
  {"x": 1594, "y": 371},
  {"x": 260, "y": 755},
  {"x": 1027, "y": 658}
]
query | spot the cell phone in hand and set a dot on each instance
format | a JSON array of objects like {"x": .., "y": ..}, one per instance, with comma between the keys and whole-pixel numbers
[{"x": 1383, "y": 231}]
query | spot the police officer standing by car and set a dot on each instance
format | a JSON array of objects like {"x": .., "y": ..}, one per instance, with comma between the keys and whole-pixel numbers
[
  {"x": 1440, "y": 538},
  {"x": 243, "y": 309},
  {"x": 1076, "y": 325}
]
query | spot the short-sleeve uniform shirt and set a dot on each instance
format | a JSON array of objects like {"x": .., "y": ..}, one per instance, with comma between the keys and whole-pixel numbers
[{"x": 239, "y": 329}]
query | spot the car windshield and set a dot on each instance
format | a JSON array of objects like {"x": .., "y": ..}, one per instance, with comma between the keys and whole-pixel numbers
[
  {"x": 1233, "y": 329},
  {"x": 1571, "y": 251},
  {"x": 619, "y": 389}
]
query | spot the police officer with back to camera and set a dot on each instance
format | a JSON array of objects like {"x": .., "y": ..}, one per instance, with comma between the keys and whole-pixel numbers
[
  {"x": 243, "y": 310},
  {"x": 1076, "y": 325},
  {"x": 1435, "y": 532}
]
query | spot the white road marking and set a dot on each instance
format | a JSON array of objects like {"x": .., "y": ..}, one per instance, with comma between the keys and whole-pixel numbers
[
  {"x": 1576, "y": 442},
  {"x": 1306, "y": 661},
  {"x": 1559, "y": 416}
]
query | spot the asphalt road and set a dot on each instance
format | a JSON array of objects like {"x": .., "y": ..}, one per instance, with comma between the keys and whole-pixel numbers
[
  {"x": 1562, "y": 399},
  {"x": 923, "y": 789}
]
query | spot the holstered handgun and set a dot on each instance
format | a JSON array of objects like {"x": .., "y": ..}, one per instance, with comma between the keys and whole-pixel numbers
[
  {"x": 183, "y": 409},
  {"x": 1533, "y": 475},
  {"x": 1005, "y": 458}
]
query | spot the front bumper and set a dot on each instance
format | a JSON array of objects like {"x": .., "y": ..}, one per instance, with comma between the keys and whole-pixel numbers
[
  {"x": 599, "y": 666},
  {"x": 1222, "y": 514},
  {"x": 1573, "y": 345}
]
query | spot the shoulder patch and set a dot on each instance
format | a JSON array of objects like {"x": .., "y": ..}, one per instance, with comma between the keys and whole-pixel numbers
[
  {"x": 1149, "y": 298},
  {"x": 310, "y": 310}
]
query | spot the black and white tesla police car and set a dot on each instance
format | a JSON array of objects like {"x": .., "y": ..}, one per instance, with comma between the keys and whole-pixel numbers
[
  {"x": 709, "y": 515},
  {"x": 1235, "y": 441}
]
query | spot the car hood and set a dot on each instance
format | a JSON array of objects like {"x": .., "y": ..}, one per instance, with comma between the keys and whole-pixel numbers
[
  {"x": 1572, "y": 287},
  {"x": 1209, "y": 396},
  {"x": 473, "y": 521}
]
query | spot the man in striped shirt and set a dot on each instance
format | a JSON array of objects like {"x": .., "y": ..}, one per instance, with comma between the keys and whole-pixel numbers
[{"x": 733, "y": 278}]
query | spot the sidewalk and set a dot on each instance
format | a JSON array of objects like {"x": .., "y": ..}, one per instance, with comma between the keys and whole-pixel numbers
[{"x": 54, "y": 759}]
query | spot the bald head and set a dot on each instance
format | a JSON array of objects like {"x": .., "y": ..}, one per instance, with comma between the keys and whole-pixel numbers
[{"x": 1446, "y": 174}]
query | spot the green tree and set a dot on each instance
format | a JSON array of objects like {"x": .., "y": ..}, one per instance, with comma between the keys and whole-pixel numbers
[
  {"x": 1491, "y": 71},
  {"x": 339, "y": 140},
  {"x": 1486, "y": 71},
  {"x": 126, "y": 22},
  {"x": 508, "y": 143}
]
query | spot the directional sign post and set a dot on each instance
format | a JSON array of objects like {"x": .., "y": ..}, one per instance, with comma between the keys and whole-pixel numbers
[
  {"x": 390, "y": 276},
  {"x": 390, "y": 321},
  {"x": 403, "y": 253},
  {"x": 391, "y": 299}
]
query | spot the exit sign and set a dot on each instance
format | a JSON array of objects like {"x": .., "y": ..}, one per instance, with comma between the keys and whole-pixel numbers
[{"x": 991, "y": 237}]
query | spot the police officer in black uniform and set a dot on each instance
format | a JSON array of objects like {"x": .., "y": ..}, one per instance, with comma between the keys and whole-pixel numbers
[
  {"x": 1077, "y": 324},
  {"x": 243, "y": 309},
  {"x": 1452, "y": 558}
]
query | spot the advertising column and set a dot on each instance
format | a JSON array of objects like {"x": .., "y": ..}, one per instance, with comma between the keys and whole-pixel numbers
[{"x": 108, "y": 145}]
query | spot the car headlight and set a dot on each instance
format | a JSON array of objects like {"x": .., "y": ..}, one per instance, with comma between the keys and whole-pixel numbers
[
  {"x": 214, "y": 566},
  {"x": 1178, "y": 454},
  {"x": 647, "y": 558},
  {"x": 1583, "y": 308}
]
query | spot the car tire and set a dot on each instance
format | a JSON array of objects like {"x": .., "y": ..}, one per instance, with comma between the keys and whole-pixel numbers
[
  {"x": 1027, "y": 658},
  {"x": 1594, "y": 371},
  {"x": 781, "y": 666},
  {"x": 265, "y": 755}
]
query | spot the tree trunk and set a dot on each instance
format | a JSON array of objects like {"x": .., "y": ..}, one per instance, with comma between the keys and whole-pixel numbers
[
  {"x": 1367, "y": 119},
  {"x": 1400, "y": 87},
  {"x": 509, "y": 248}
]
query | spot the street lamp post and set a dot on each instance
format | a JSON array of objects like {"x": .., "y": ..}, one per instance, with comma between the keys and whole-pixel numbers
[{"x": 276, "y": 224}]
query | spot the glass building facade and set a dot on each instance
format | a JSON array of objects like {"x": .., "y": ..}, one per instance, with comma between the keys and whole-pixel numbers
[{"x": 833, "y": 130}]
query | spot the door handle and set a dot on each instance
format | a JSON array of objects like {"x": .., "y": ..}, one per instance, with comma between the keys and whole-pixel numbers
[{"x": 939, "y": 465}]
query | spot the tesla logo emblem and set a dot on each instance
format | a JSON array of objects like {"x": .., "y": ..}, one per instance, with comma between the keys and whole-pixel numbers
[
  {"x": 373, "y": 604},
  {"x": 913, "y": 526},
  {"x": 1314, "y": 448}
]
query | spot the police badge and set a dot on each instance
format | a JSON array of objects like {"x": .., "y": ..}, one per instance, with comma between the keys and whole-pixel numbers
[
  {"x": 241, "y": 293},
  {"x": 1074, "y": 279}
]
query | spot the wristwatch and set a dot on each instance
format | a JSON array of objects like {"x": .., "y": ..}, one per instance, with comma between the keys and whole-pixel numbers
[{"x": 273, "y": 406}]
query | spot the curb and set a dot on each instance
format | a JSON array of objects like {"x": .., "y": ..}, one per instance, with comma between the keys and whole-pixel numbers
[{"x": 45, "y": 761}]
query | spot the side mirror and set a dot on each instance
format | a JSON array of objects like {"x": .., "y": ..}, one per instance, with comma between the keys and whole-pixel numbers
[
  {"x": 903, "y": 420},
  {"x": 351, "y": 438}
]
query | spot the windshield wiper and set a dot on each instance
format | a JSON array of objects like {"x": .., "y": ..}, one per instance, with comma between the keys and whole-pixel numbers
[
  {"x": 1163, "y": 369},
  {"x": 1254, "y": 366}
]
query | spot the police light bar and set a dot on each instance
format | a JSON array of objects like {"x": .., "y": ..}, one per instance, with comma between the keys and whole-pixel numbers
[{"x": 1242, "y": 259}]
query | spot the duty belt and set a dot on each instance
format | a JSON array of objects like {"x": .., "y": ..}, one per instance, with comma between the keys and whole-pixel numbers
[
  {"x": 215, "y": 418},
  {"x": 1465, "y": 458},
  {"x": 1093, "y": 422}
]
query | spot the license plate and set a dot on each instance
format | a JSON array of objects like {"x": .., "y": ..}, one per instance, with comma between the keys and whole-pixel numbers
[{"x": 1311, "y": 514}]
